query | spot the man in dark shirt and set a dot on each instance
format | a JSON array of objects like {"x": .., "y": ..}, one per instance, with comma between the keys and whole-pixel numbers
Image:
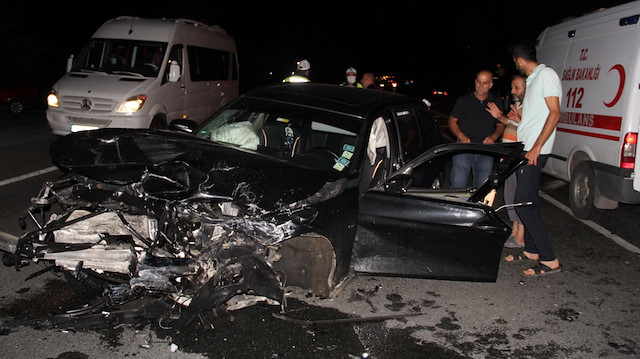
[{"x": 470, "y": 121}]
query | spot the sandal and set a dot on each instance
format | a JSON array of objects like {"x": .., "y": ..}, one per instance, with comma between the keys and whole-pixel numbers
[
  {"x": 521, "y": 256},
  {"x": 541, "y": 270},
  {"x": 511, "y": 243}
]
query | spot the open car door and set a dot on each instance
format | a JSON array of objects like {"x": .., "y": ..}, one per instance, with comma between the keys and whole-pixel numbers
[{"x": 435, "y": 233}]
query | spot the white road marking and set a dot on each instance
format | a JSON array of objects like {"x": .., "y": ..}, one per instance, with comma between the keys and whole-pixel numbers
[
  {"x": 28, "y": 175},
  {"x": 596, "y": 227}
]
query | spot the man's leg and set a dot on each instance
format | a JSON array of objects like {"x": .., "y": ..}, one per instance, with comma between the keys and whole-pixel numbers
[
  {"x": 460, "y": 168},
  {"x": 536, "y": 236},
  {"x": 482, "y": 167},
  {"x": 509, "y": 192}
]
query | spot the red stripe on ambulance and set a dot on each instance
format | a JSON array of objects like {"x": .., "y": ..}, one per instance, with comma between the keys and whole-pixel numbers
[
  {"x": 592, "y": 121},
  {"x": 590, "y": 134}
]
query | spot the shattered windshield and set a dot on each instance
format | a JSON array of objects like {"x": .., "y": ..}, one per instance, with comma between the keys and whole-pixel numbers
[
  {"x": 312, "y": 138},
  {"x": 116, "y": 56}
]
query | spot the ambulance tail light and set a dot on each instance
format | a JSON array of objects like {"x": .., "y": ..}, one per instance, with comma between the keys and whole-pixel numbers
[{"x": 628, "y": 155}]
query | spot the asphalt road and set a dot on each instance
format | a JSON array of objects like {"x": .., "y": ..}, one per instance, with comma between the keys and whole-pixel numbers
[{"x": 589, "y": 310}]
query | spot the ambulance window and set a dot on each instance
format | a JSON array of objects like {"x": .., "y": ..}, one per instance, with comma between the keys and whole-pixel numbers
[{"x": 631, "y": 20}]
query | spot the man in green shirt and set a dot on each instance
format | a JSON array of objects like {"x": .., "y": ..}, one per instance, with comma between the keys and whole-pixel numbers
[{"x": 537, "y": 129}]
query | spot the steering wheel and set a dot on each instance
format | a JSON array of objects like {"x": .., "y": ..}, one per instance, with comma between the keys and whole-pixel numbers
[
  {"x": 324, "y": 151},
  {"x": 150, "y": 65},
  {"x": 318, "y": 157}
]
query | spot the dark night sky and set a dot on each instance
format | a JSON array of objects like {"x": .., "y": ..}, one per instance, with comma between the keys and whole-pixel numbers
[{"x": 437, "y": 45}]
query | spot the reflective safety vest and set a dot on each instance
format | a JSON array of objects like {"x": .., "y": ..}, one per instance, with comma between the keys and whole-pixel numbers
[
  {"x": 296, "y": 78},
  {"x": 357, "y": 84}
]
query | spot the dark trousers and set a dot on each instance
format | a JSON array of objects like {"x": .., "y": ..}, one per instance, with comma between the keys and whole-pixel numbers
[{"x": 536, "y": 239}]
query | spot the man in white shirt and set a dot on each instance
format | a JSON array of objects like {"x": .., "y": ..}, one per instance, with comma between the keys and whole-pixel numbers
[{"x": 537, "y": 130}]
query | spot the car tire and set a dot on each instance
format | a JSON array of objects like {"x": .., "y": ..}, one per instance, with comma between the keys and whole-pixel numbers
[
  {"x": 16, "y": 107},
  {"x": 582, "y": 190},
  {"x": 308, "y": 261}
]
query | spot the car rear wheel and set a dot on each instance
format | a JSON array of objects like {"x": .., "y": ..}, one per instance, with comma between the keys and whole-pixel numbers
[
  {"x": 582, "y": 190},
  {"x": 16, "y": 107}
]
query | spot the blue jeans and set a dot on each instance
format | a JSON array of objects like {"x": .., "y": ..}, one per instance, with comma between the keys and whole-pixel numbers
[{"x": 461, "y": 165}]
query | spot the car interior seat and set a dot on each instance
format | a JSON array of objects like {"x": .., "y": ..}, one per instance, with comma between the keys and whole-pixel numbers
[
  {"x": 374, "y": 174},
  {"x": 375, "y": 166},
  {"x": 281, "y": 138}
]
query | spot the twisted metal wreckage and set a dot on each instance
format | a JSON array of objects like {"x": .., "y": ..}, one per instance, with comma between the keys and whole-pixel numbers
[
  {"x": 143, "y": 209},
  {"x": 212, "y": 226}
]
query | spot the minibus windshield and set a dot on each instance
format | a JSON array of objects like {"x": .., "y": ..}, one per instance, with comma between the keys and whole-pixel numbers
[{"x": 116, "y": 56}]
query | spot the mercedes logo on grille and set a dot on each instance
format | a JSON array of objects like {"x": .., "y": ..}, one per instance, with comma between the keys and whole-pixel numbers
[{"x": 86, "y": 104}]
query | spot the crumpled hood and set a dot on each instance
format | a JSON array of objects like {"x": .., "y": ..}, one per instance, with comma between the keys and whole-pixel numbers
[{"x": 174, "y": 166}]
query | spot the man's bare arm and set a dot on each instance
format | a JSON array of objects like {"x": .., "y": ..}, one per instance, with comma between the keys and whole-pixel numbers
[
  {"x": 455, "y": 129},
  {"x": 553, "y": 103}
]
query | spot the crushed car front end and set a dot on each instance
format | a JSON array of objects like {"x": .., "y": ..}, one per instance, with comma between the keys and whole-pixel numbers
[{"x": 200, "y": 222}]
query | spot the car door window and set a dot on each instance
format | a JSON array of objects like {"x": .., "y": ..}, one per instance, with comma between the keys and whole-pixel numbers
[
  {"x": 408, "y": 132},
  {"x": 375, "y": 166},
  {"x": 430, "y": 134},
  {"x": 414, "y": 131}
]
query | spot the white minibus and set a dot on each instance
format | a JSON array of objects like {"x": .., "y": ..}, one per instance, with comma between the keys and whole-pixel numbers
[{"x": 144, "y": 73}]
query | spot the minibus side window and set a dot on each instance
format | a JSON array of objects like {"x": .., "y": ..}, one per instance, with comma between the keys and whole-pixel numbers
[
  {"x": 208, "y": 64},
  {"x": 234, "y": 67}
]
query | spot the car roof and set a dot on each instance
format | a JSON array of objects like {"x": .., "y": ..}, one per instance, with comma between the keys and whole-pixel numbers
[{"x": 355, "y": 102}]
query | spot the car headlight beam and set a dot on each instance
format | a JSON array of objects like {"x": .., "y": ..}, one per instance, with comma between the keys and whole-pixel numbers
[
  {"x": 132, "y": 104},
  {"x": 52, "y": 100}
]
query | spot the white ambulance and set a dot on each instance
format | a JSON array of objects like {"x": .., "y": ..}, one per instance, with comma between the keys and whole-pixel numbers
[
  {"x": 144, "y": 73},
  {"x": 597, "y": 57}
]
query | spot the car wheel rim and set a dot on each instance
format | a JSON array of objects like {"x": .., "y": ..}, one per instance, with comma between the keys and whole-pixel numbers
[
  {"x": 581, "y": 193},
  {"x": 16, "y": 107}
]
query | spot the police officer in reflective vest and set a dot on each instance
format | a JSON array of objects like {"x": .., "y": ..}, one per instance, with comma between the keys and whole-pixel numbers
[
  {"x": 351, "y": 75},
  {"x": 301, "y": 74}
]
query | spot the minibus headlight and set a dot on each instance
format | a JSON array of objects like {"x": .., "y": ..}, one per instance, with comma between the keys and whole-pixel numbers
[
  {"x": 52, "y": 100},
  {"x": 132, "y": 104}
]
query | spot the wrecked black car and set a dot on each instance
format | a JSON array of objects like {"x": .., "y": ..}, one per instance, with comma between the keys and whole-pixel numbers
[{"x": 289, "y": 185}]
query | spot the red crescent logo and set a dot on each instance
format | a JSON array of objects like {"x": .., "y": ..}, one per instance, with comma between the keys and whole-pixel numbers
[{"x": 620, "y": 70}]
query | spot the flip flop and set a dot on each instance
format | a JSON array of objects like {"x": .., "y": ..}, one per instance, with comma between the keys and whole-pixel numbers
[
  {"x": 519, "y": 257},
  {"x": 511, "y": 243},
  {"x": 540, "y": 270}
]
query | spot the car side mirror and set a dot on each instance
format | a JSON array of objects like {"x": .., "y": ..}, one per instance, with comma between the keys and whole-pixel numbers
[
  {"x": 182, "y": 125},
  {"x": 399, "y": 184},
  {"x": 174, "y": 71}
]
